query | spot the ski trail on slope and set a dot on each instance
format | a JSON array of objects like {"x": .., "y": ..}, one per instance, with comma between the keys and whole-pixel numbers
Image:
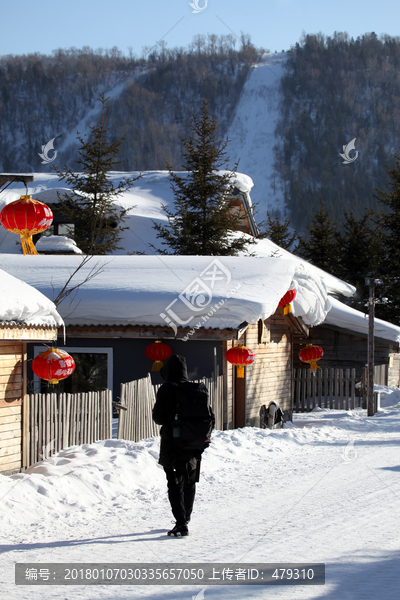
[{"x": 252, "y": 132}]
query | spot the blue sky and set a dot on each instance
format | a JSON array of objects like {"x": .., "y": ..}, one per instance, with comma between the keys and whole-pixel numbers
[{"x": 44, "y": 25}]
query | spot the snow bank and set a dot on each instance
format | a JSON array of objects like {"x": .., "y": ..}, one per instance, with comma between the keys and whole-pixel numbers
[
  {"x": 118, "y": 470},
  {"x": 189, "y": 290},
  {"x": 388, "y": 396},
  {"x": 302, "y": 494},
  {"x": 24, "y": 304}
]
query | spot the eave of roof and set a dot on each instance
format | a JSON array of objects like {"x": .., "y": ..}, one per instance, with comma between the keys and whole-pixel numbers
[{"x": 13, "y": 330}]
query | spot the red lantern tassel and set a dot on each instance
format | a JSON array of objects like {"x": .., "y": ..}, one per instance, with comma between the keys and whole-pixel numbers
[
  {"x": 27, "y": 244},
  {"x": 313, "y": 366},
  {"x": 157, "y": 365},
  {"x": 287, "y": 309},
  {"x": 240, "y": 371}
]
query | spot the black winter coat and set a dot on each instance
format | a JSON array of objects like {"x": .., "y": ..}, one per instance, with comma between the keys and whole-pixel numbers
[{"x": 173, "y": 372}]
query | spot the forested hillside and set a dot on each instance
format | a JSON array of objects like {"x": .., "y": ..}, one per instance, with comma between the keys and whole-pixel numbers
[
  {"x": 333, "y": 89},
  {"x": 336, "y": 89},
  {"x": 152, "y": 99}
]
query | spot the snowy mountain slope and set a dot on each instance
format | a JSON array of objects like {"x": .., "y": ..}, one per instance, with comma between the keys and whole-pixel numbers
[
  {"x": 325, "y": 489},
  {"x": 67, "y": 140},
  {"x": 252, "y": 132}
]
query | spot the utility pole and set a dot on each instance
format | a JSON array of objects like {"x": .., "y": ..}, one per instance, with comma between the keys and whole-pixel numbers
[{"x": 371, "y": 316}]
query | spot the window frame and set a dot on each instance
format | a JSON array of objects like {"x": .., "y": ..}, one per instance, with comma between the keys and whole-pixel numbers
[{"x": 78, "y": 350}]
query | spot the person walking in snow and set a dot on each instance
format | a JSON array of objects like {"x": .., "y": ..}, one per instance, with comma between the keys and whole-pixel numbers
[{"x": 181, "y": 448}]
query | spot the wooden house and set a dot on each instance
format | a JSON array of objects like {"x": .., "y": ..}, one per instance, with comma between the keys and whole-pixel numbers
[
  {"x": 134, "y": 299},
  {"x": 26, "y": 316},
  {"x": 344, "y": 340},
  {"x": 269, "y": 379},
  {"x": 14, "y": 425}
]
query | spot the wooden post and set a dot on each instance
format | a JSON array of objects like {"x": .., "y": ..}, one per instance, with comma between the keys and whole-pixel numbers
[
  {"x": 25, "y": 412},
  {"x": 371, "y": 317}
]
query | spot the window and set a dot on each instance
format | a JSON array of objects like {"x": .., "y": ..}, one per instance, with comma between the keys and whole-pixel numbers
[
  {"x": 93, "y": 372},
  {"x": 66, "y": 229}
]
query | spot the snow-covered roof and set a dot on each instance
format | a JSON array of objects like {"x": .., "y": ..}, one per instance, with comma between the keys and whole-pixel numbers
[
  {"x": 21, "y": 303},
  {"x": 346, "y": 317},
  {"x": 144, "y": 203},
  {"x": 334, "y": 285},
  {"x": 210, "y": 292}
]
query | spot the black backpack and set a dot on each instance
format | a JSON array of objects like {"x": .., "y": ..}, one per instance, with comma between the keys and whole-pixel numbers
[{"x": 194, "y": 418}]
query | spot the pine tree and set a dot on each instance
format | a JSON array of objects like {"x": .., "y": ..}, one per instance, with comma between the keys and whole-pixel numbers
[
  {"x": 91, "y": 204},
  {"x": 202, "y": 222},
  {"x": 361, "y": 248},
  {"x": 322, "y": 247},
  {"x": 388, "y": 290},
  {"x": 280, "y": 233}
]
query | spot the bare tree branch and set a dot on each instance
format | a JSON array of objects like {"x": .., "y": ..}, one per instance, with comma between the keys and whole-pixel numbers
[{"x": 67, "y": 291}]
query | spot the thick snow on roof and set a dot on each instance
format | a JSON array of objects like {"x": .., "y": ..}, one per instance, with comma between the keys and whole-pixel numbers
[
  {"x": 57, "y": 243},
  {"x": 334, "y": 285},
  {"x": 144, "y": 202},
  {"x": 344, "y": 316},
  {"x": 22, "y": 303},
  {"x": 209, "y": 292}
]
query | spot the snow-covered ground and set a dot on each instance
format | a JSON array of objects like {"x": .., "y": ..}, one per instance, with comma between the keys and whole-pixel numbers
[{"x": 323, "y": 489}]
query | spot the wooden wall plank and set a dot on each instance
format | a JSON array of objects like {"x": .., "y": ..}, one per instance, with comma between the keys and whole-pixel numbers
[
  {"x": 8, "y": 435},
  {"x": 10, "y": 447},
  {"x": 12, "y": 461}
]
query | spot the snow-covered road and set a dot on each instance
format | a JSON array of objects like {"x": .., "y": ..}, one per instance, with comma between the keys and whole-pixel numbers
[{"x": 325, "y": 489}]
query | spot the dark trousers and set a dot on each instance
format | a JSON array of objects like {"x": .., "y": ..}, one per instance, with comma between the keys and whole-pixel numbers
[{"x": 182, "y": 489}]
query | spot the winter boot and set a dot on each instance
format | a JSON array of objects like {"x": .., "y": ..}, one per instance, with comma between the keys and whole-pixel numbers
[{"x": 180, "y": 530}]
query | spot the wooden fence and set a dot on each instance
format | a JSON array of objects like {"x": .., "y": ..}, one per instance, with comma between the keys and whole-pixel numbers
[
  {"x": 136, "y": 422},
  {"x": 57, "y": 421},
  {"x": 216, "y": 390},
  {"x": 381, "y": 374},
  {"x": 139, "y": 396},
  {"x": 328, "y": 388},
  {"x": 381, "y": 377}
]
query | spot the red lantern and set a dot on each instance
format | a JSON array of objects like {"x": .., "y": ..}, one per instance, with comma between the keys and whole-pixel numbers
[
  {"x": 240, "y": 356},
  {"x": 26, "y": 217},
  {"x": 53, "y": 365},
  {"x": 286, "y": 300},
  {"x": 311, "y": 354},
  {"x": 158, "y": 351}
]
